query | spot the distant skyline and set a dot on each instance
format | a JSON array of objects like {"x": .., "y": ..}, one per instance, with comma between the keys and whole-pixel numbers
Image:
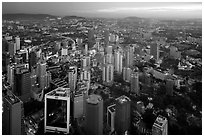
[{"x": 108, "y": 9}]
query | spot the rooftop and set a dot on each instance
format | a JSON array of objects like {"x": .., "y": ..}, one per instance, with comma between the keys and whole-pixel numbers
[{"x": 94, "y": 99}]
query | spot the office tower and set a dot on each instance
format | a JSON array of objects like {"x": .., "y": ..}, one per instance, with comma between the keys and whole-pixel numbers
[
  {"x": 154, "y": 50},
  {"x": 57, "y": 110},
  {"x": 33, "y": 78},
  {"x": 17, "y": 41},
  {"x": 112, "y": 38},
  {"x": 57, "y": 45},
  {"x": 86, "y": 49},
  {"x": 12, "y": 48},
  {"x": 135, "y": 88},
  {"x": 86, "y": 62},
  {"x": 122, "y": 115},
  {"x": 108, "y": 59},
  {"x": 91, "y": 39},
  {"x": 78, "y": 108},
  {"x": 13, "y": 115},
  {"x": 22, "y": 84},
  {"x": 32, "y": 59},
  {"x": 48, "y": 79},
  {"x": 109, "y": 49},
  {"x": 24, "y": 55},
  {"x": 79, "y": 41},
  {"x": 64, "y": 51},
  {"x": 118, "y": 62},
  {"x": 10, "y": 75},
  {"x": 127, "y": 74},
  {"x": 72, "y": 78},
  {"x": 169, "y": 86},
  {"x": 108, "y": 74},
  {"x": 5, "y": 55},
  {"x": 94, "y": 115},
  {"x": 111, "y": 117},
  {"x": 129, "y": 56},
  {"x": 106, "y": 37},
  {"x": 160, "y": 126},
  {"x": 85, "y": 75},
  {"x": 41, "y": 72}
]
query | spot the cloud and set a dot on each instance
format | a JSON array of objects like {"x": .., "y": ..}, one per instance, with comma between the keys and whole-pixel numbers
[{"x": 170, "y": 8}]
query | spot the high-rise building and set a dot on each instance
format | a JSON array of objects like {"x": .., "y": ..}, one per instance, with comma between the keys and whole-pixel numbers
[
  {"x": 135, "y": 89},
  {"x": 57, "y": 110},
  {"x": 118, "y": 62},
  {"x": 22, "y": 84},
  {"x": 86, "y": 75},
  {"x": 17, "y": 41},
  {"x": 94, "y": 115},
  {"x": 41, "y": 72},
  {"x": 10, "y": 75},
  {"x": 108, "y": 70},
  {"x": 109, "y": 49},
  {"x": 86, "y": 49},
  {"x": 78, "y": 108},
  {"x": 108, "y": 59},
  {"x": 127, "y": 74},
  {"x": 32, "y": 59},
  {"x": 13, "y": 115},
  {"x": 12, "y": 48},
  {"x": 122, "y": 115},
  {"x": 160, "y": 126},
  {"x": 111, "y": 117},
  {"x": 72, "y": 78},
  {"x": 91, "y": 39},
  {"x": 86, "y": 61},
  {"x": 169, "y": 86},
  {"x": 106, "y": 37},
  {"x": 154, "y": 50},
  {"x": 129, "y": 56}
]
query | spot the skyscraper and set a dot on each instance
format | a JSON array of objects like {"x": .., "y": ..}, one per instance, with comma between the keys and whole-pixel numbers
[
  {"x": 129, "y": 56},
  {"x": 108, "y": 74},
  {"x": 32, "y": 59},
  {"x": 122, "y": 115},
  {"x": 127, "y": 74},
  {"x": 13, "y": 115},
  {"x": 135, "y": 89},
  {"x": 118, "y": 62},
  {"x": 91, "y": 39},
  {"x": 17, "y": 40},
  {"x": 154, "y": 50},
  {"x": 72, "y": 78},
  {"x": 94, "y": 115},
  {"x": 22, "y": 84},
  {"x": 10, "y": 75},
  {"x": 160, "y": 126},
  {"x": 57, "y": 110},
  {"x": 41, "y": 72},
  {"x": 111, "y": 117},
  {"x": 106, "y": 37}
]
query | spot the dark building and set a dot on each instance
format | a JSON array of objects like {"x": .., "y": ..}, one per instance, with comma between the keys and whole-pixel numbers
[
  {"x": 5, "y": 55},
  {"x": 122, "y": 115},
  {"x": 106, "y": 37},
  {"x": 91, "y": 39},
  {"x": 12, "y": 116},
  {"x": 22, "y": 84},
  {"x": 94, "y": 115},
  {"x": 32, "y": 59}
]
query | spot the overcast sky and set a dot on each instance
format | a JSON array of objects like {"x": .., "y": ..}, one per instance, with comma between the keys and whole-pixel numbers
[{"x": 108, "y": 9}]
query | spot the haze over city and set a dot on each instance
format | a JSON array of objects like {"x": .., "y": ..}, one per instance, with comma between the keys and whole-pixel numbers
[{"x": 108, "y": 9}]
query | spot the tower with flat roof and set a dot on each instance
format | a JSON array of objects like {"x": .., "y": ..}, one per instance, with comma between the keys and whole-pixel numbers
[{"x": 160, "y": 126}]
